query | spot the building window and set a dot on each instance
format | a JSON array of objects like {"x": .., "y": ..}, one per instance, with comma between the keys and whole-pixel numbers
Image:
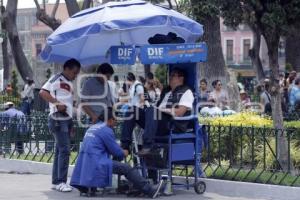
[
  {"x": 246, "y": 48},
  {"x": 229, "y": 50},
  {"x": 21, "y": 23},
  {"x": 38, "y": 49},
  {"x": 22, "y": 40}
]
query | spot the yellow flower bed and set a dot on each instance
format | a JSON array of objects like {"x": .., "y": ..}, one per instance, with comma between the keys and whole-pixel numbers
[
  {"x": 292, "y": 124},
  {"x": 238, "y": 119},
  {"x": 245, "y": 119}
]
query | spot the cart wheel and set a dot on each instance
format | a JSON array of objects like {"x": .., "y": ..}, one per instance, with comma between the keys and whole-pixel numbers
[{"x": 200, "y": 187}]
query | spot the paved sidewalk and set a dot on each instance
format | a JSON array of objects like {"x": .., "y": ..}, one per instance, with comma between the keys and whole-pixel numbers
[{"x": 37, "y": 187}]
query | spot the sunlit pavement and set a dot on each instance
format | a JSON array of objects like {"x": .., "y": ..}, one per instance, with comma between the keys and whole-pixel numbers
[{"x": 38, "y": 187}]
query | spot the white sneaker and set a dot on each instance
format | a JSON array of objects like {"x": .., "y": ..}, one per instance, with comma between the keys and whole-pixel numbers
[
  {"x": 63, "y": 187},
  {"x": 53, "y": 187}
]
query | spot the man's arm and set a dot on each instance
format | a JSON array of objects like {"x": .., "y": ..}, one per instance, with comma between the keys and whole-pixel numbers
[
  {"x": 176, "y": 112},
  {"x": 262, "y": 99},
  {"x": 88, "y": 110},
  {"x": 141, "y": 93},
  {"x": 86, "y": 92},
  {"x": 142, "y": 99},
  {"x": 185, "y": 104},
  {"x": 49, "y": 98},
  {"x": 112, "y": 146}
]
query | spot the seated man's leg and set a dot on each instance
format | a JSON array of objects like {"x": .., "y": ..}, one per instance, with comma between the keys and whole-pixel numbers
[
  {"x": 131, "y": 117},
  {"x": 150, "y": 126},
  {"x": 162, "y": 129},
  {"x": 135, "y": 178},
  {"x": 163, "y": 125},
  {"x": 156, "y": 124}
]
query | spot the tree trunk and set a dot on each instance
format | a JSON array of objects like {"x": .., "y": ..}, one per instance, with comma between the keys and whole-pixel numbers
[
  {"x": 215, "y": 67},
  {"x": 292, "y": 49},
  {"x": 282, "y": 145},
  {"x": 72, "y": 7},
  {"x": 254, "y": 55},
  {"x": 6, "y": 63},
  {"x": 17, "y": 51}
]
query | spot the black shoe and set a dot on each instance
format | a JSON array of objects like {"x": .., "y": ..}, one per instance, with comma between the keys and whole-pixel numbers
[
  {"x": 144, "y": 152},
  {"x": 88, "y": 192},
  {"x": 156, "y": 190}
]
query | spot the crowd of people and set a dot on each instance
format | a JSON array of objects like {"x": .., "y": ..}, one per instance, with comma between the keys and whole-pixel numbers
[
  {"x": 215, "y": 102},
  {"x": 144, "y": 102},
  {"x": 289, "y": 90}
]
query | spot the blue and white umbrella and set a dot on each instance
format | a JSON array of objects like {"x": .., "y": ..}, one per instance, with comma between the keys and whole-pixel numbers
[{"x": 89, "y": 34}]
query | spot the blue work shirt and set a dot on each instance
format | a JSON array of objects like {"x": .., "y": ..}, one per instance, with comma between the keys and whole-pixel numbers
[
  {"x": 93, "y": 167},
  {"x": 294, "y": 95},
  {"x": 16, "y": 117},
  {"x": 12, "y": 112}
]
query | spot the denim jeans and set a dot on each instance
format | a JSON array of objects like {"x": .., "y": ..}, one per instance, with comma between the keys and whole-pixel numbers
[
  {"x": 19, "y": 147},
  {"x": 61, "y": 132},
  {"x": 26, "y": 106},
  {"x": 152, "y": 121},
  {"x": 132, "y": 175}
]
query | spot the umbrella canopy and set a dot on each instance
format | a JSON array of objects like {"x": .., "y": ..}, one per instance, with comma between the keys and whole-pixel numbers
[{"x": 89, "y": 34}]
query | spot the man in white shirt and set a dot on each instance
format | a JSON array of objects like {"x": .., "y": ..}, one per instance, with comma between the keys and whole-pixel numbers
[
  {"x": 97, "y": 93},
  {"x": 27, "y": 96},
  {"x": 58, "y": 91},
  {"x": 176, "y": 102},
  {"x": 136, "y": 91}
]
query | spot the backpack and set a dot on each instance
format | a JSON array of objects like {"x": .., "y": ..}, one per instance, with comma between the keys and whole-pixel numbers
[
  {"x": 268, "y": 107},
  {"x": 146, "y": 94}
]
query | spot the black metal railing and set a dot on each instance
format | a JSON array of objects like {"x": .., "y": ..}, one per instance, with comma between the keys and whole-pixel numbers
[
  {"x": 29, "y": 139},
  {"x": 252, "y": 154}
]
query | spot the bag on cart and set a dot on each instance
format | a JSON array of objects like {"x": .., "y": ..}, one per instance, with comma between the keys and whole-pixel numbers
[{"x": 158, "y": 158}]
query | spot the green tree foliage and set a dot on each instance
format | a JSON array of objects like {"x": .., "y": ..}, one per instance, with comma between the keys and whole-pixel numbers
[
  {"x": 273, "y": 18},
  {"x": 205, "y": 8},
  {"x": 161, "y": 74},
  {"x": 288, "y": 67},
  {"x": 267, "y": 15}
]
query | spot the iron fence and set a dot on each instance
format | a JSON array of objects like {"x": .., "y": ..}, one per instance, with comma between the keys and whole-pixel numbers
[
  {"x": 234, "y": 153},
  {"x": 262, "y": 155}
]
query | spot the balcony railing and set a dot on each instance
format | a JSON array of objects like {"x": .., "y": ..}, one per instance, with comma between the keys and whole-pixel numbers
[{"x": 237, "y": 60}]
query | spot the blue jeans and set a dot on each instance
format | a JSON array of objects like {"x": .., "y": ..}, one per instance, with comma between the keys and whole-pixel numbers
[
  {"x": 26, "y": 106},
  {"x": 132, "y": 175},
  {"x": 61, "y": 132}
]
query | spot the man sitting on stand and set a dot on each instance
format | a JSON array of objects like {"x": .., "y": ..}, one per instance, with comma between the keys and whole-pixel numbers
[{"x": 176, "y": 102}]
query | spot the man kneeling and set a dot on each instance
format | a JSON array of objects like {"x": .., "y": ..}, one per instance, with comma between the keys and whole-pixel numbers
[{"x": 94, "y": 168}]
